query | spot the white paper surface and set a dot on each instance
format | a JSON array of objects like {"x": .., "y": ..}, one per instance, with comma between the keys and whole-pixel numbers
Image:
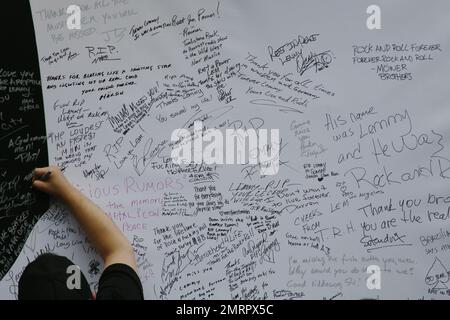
[{"x": 364, "y": 162}]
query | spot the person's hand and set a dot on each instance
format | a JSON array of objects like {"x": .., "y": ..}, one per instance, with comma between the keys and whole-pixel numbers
[{"x": 55, "y": 184}]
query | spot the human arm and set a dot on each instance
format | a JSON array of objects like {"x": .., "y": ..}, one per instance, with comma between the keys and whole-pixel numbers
[{"x": 111, "y": 243}]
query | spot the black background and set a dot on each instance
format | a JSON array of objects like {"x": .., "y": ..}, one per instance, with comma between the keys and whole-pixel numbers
[{"x": 19, "y": 53}]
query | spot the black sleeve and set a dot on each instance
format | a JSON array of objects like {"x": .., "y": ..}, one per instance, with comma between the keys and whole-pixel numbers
[{"x": 120, "y": 282}]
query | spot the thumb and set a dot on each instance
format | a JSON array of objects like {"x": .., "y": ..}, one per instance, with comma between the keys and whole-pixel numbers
[
  {"x": 41, "y": 185},
  {"x": 39, "y": 171}
]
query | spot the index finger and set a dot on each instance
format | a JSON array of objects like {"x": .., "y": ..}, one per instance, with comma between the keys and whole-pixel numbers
[{"x": 37, "y": 172}]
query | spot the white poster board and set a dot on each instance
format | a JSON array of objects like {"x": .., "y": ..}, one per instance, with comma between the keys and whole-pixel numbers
[{"x": 364, "y": 123}]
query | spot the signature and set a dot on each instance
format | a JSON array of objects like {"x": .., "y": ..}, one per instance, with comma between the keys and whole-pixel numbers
[
  {"x": 97, "y": 172},
  {"x": 287, "y": 294},
  {"x": 272, "y": 103},
  {"x": 262, "y": 249},
  {"x": 140, "y": 163},
  {"x": 320, "y": 61},
  {"x": 300, "y": 41},
  {"x": 208, "y": 117},
  {"x": 173, "y": 265}
]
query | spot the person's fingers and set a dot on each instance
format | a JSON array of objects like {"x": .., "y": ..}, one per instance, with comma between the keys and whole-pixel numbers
[
  {"x": 54, "y": 168},
  {"x": 40, "y": 185},
  {"x": 39, "y": 172}
]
